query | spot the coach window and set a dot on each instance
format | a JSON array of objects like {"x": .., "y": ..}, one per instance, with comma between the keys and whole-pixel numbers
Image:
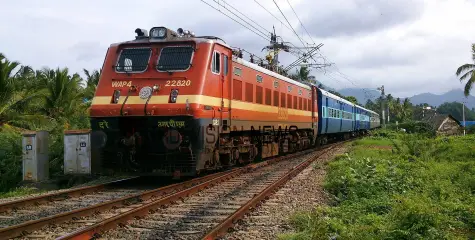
[{"x": 216, "y": 62}]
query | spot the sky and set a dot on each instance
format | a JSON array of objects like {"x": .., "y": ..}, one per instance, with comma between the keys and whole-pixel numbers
[{"x": 409, "y": 46}]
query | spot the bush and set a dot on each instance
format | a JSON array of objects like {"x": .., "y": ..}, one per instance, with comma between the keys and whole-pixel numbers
[
  {"x": 424, "y": 188},
  {"x": 10, "y": 158},
  {"x": 418, "y": 127}
]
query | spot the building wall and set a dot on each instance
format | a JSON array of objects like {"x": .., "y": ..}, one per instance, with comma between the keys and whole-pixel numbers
[{"x": 449, "y": 127}]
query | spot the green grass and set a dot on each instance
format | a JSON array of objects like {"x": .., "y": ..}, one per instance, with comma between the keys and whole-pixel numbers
[
  {"x": 424, "y": 188},
  {"x": 373, "y": 142},
  {"x": 22, "y": 191}
]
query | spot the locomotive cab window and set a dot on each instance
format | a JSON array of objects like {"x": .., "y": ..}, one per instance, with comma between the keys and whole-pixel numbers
[
  {"x": 216, "y": 64},
  {"x": 225, "y": 65},
  {"x": 133, "y": 60},
  {"x": 177, "y": 58}
]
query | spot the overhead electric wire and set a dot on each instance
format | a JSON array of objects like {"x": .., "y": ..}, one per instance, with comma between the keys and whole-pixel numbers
[
  {"x": 311, "y": 56},
  {"x": 300, "y": 22},
  {"x": 263, "y": 28},
  {"x": 288, "y": 23},
  {"x": 265, "y": 38},
  {"x": 273, "y": 15},
  {"x": 263, "y": 33}
]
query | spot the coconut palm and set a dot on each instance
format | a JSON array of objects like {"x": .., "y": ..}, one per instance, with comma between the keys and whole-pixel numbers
[
  {"x": 63, "y": 93},
  {"x": 466, "y": 72},
  {"x": 15, "y": 98},
  {"x": 302, "y": 74},
  {"x": 406, "y": 110},
  {"x": 91, "y": 83}
]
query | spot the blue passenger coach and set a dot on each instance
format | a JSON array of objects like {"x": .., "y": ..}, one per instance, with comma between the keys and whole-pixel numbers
[
  {"x": 340, "y": 118},
  {"x": 336, "y": 116}
]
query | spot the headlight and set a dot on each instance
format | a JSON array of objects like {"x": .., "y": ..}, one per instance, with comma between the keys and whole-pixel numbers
[
  {"x": 173, "y": 95},
  {"x": 116, "y": 96},
  {"x": 158, "y": 32}
]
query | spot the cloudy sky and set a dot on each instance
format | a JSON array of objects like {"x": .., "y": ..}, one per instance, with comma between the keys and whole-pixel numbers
[{"x": 410, "y": 46}]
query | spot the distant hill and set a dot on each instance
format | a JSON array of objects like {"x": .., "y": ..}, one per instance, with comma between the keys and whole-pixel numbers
[
  {"x": 455, "y": 95},
  {"x": 361, "y": 94}
]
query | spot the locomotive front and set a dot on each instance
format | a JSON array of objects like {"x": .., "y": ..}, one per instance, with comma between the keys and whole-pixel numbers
[{"x": 142, "y": 114}]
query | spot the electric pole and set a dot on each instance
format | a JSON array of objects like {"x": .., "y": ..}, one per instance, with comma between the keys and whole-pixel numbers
[
  {"x": 463, "y": 116},
  {"x": 382, "y": 105}
]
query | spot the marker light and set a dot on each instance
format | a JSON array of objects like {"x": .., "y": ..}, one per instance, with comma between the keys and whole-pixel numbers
[
  {"x": 155, "y": 87},
  {"x": 116, "y": 96},
  {"x": 173, "y": 96},
  {"x": 158, "y": 32}
]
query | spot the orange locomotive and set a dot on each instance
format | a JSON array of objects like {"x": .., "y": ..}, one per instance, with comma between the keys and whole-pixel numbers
[{"x": 170, "y": 103}]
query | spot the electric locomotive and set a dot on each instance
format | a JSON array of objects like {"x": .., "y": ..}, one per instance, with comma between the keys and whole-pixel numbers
[{"x": 171, "y": 103}]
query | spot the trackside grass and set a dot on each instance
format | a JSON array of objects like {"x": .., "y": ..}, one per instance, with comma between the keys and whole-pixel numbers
[{"x": 397, "y": 186}]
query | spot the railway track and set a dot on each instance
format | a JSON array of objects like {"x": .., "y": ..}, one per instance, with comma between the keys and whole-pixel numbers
[
  {"x": 21, "y": 210},
  {"x": 185, "y": 210}
]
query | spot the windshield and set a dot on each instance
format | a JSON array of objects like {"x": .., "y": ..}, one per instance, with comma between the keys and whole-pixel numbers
[
  {"x": 133, "y": 60},
  {"x": 177, "y": 58}
]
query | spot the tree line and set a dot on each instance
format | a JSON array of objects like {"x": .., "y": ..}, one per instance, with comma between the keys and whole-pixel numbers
[{"x": 39, "y": 99}]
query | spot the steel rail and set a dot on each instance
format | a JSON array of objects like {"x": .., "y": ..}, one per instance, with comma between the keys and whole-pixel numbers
[
  {"x": 221, "y": 229},
  {"x": 75, "y": 192},
  {"x": 23, "y": 228},
  {"x": 95, "y": 231}
]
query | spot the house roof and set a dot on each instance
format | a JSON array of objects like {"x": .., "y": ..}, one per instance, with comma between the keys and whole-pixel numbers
[{"x": 435, "y": 120}]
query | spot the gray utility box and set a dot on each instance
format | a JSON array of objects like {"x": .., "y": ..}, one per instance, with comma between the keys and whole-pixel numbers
[
  {"x": 35, "y": 156},
  {"x": 77, "y": 152}
]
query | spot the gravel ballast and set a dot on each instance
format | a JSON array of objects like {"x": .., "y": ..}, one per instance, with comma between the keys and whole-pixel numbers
[{"x": 302, "y": 193}]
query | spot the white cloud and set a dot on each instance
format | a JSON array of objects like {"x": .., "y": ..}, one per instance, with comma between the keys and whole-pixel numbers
[{"x": 409, "y": 46}]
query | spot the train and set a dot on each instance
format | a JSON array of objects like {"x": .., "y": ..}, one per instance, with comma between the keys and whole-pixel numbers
[{"x": 169, "y": 103}]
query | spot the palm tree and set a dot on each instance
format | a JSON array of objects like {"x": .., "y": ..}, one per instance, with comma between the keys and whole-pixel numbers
[
  {"x": 64, "y": 93},
  {"x": 15, "y": 98},
  {"x": 406, "y": 110},
  {"x": 302, "y": 74},
  {"x": 91, "y": 83},
  {"x": 468, "y": 70}
]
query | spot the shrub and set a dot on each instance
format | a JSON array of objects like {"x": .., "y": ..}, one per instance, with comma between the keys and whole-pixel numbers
[
  {"x": 423, "y": 189},
  {"x": 10, "y": 158}
]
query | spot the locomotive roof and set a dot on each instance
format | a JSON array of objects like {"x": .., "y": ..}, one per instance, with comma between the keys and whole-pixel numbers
[
  {"x": 146, "y": 40},
  {"x": 268, "y": 72}
]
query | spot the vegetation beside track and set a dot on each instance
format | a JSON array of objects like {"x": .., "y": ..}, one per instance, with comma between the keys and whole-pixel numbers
[{"x": 397, "y": 186}]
